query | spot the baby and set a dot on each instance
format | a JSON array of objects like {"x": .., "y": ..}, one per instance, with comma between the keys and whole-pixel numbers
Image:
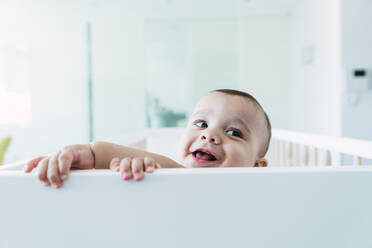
[{"x": 228, "y": 128}]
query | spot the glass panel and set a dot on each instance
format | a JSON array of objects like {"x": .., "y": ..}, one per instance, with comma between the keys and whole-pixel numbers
[
  {"x": 15, "y": 99},
  {"x": 185, "y": 59},
  {"x": 151, "y": 64}
]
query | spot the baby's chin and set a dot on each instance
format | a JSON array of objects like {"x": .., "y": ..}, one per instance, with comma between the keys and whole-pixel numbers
[
  {"x": 205, "y": 166},
  {"x": 191, "y": 163}
]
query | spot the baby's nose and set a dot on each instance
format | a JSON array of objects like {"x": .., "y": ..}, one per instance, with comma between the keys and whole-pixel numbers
[{"x": 211, "y": 138}]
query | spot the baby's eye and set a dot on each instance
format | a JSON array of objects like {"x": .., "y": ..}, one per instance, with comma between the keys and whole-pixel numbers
[
  {"x": 201, "y": 124},
  {"x": 234, "y": 132}
]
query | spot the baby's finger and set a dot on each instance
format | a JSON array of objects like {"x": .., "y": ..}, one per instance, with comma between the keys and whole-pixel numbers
[
  {"x": 125, "y": 168},
  {"x": 32, "y": 164},
  {"x": 53, "y": 173},
  {"x": 42, "y": 169},
  {"x": 65, "y": 163},
  {"x": 115, "y": 164},
  {"x": 149, "y": 164},
  {"x": 137, "y": 168}
]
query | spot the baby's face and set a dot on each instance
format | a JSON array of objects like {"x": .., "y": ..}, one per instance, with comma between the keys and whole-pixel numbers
[{"x": 223, "y": 131}]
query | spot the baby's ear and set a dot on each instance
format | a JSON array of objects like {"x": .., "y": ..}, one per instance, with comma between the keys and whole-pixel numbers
[{"x": 261, "y": 162}]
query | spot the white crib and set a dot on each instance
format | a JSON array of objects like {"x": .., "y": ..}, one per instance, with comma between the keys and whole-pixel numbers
[
  {"x": 290, "y": 148},
  {"x": 298, "y": 206}
]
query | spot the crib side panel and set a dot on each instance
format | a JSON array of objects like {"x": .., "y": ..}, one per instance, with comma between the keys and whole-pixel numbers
[{"x": 197, "y": 208}]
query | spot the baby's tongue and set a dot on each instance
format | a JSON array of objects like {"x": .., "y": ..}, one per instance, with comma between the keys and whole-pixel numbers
[{"x": 204, "y": 156}]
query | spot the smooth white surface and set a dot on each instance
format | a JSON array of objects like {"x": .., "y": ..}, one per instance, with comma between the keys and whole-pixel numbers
[
  {"x": 245, "y": 207},
  {"x": 357, "y": 34},
  {"x": 264, "y": 64},
  {"x": 316, "y": 87},
  {"x": 51, "y": 42},
  {"x": 357, "y": 53}
]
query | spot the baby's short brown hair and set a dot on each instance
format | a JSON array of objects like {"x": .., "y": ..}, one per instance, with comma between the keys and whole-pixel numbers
[{"x": 252, "y": 99}]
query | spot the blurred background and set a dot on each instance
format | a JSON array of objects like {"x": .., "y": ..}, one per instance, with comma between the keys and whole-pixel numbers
[{"x": 73, "y": 71}]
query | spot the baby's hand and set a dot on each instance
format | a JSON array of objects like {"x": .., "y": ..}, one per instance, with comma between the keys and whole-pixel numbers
[
  {"x": 133, "y": 167},
  {"x": 54, "y": 169}
]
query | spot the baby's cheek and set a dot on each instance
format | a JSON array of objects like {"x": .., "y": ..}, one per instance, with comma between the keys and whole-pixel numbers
[
  {"x": 242, "y": 157},
  {"x": 183, "y": 146}
]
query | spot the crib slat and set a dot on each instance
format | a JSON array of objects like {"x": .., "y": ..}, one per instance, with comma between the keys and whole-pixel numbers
[
  {"x": 316, "y": 156},
  {"x": 341, "y": 159},
  {"x": 282, "y": 153},
  {"x": 277, "y": 146},
  {"x": 275, "y": 152},
  {"x": 306, "y": 156},
  {"x": 290, "y": 154},
  {"x": 279, "y": 153},
  {"x": 272, "y": 155},
  {"x": 297, "y": 155},
  {"x": 328, "y": 158},
  {"x": 285, "y": 154},
  {"x": 357, "y": 160}
]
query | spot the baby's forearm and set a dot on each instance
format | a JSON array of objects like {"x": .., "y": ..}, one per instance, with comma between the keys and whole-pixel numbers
[{"x": 104, "y": 152}]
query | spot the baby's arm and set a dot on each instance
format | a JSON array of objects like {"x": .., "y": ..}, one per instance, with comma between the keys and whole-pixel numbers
[
  {"x": 54, "y": 169},
  {"x": 104, "y": 152}
]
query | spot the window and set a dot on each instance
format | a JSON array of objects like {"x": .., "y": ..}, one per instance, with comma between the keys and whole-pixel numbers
[{"x": 15, "y": 100}]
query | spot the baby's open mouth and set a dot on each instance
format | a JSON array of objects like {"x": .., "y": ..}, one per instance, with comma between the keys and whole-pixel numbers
[{"x": 201, "y": 154}]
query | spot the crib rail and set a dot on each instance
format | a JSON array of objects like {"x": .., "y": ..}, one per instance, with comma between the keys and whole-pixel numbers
[
  {"x": 289, "y": 148},
  {"x": 215, "y": 207},
  {"x": 19, "y": 165}
]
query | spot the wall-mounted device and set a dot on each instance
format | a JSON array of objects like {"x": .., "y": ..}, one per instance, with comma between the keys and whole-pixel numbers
[{"x": 359, "y": 81}]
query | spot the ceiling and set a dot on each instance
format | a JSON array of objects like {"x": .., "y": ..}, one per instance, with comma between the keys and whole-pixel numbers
[
  {"x": 168, "y": 8},
  {"x": 194, "y": 8}
]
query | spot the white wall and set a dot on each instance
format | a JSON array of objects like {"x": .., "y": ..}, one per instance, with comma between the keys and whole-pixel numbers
[
  {"x": 215, "y": 54},
  {"x": 357, "y": 33},
  {"x": 263, "y": 64},
  {"x": 357, "y": 53},
  {"x": 52, "y": 40},
  {"x": 118, "y": 75},
  {"x": 316, "y": 75}
]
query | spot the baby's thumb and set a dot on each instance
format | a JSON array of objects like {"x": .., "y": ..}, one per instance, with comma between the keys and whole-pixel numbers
[{"x": 152, "y": 167}]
